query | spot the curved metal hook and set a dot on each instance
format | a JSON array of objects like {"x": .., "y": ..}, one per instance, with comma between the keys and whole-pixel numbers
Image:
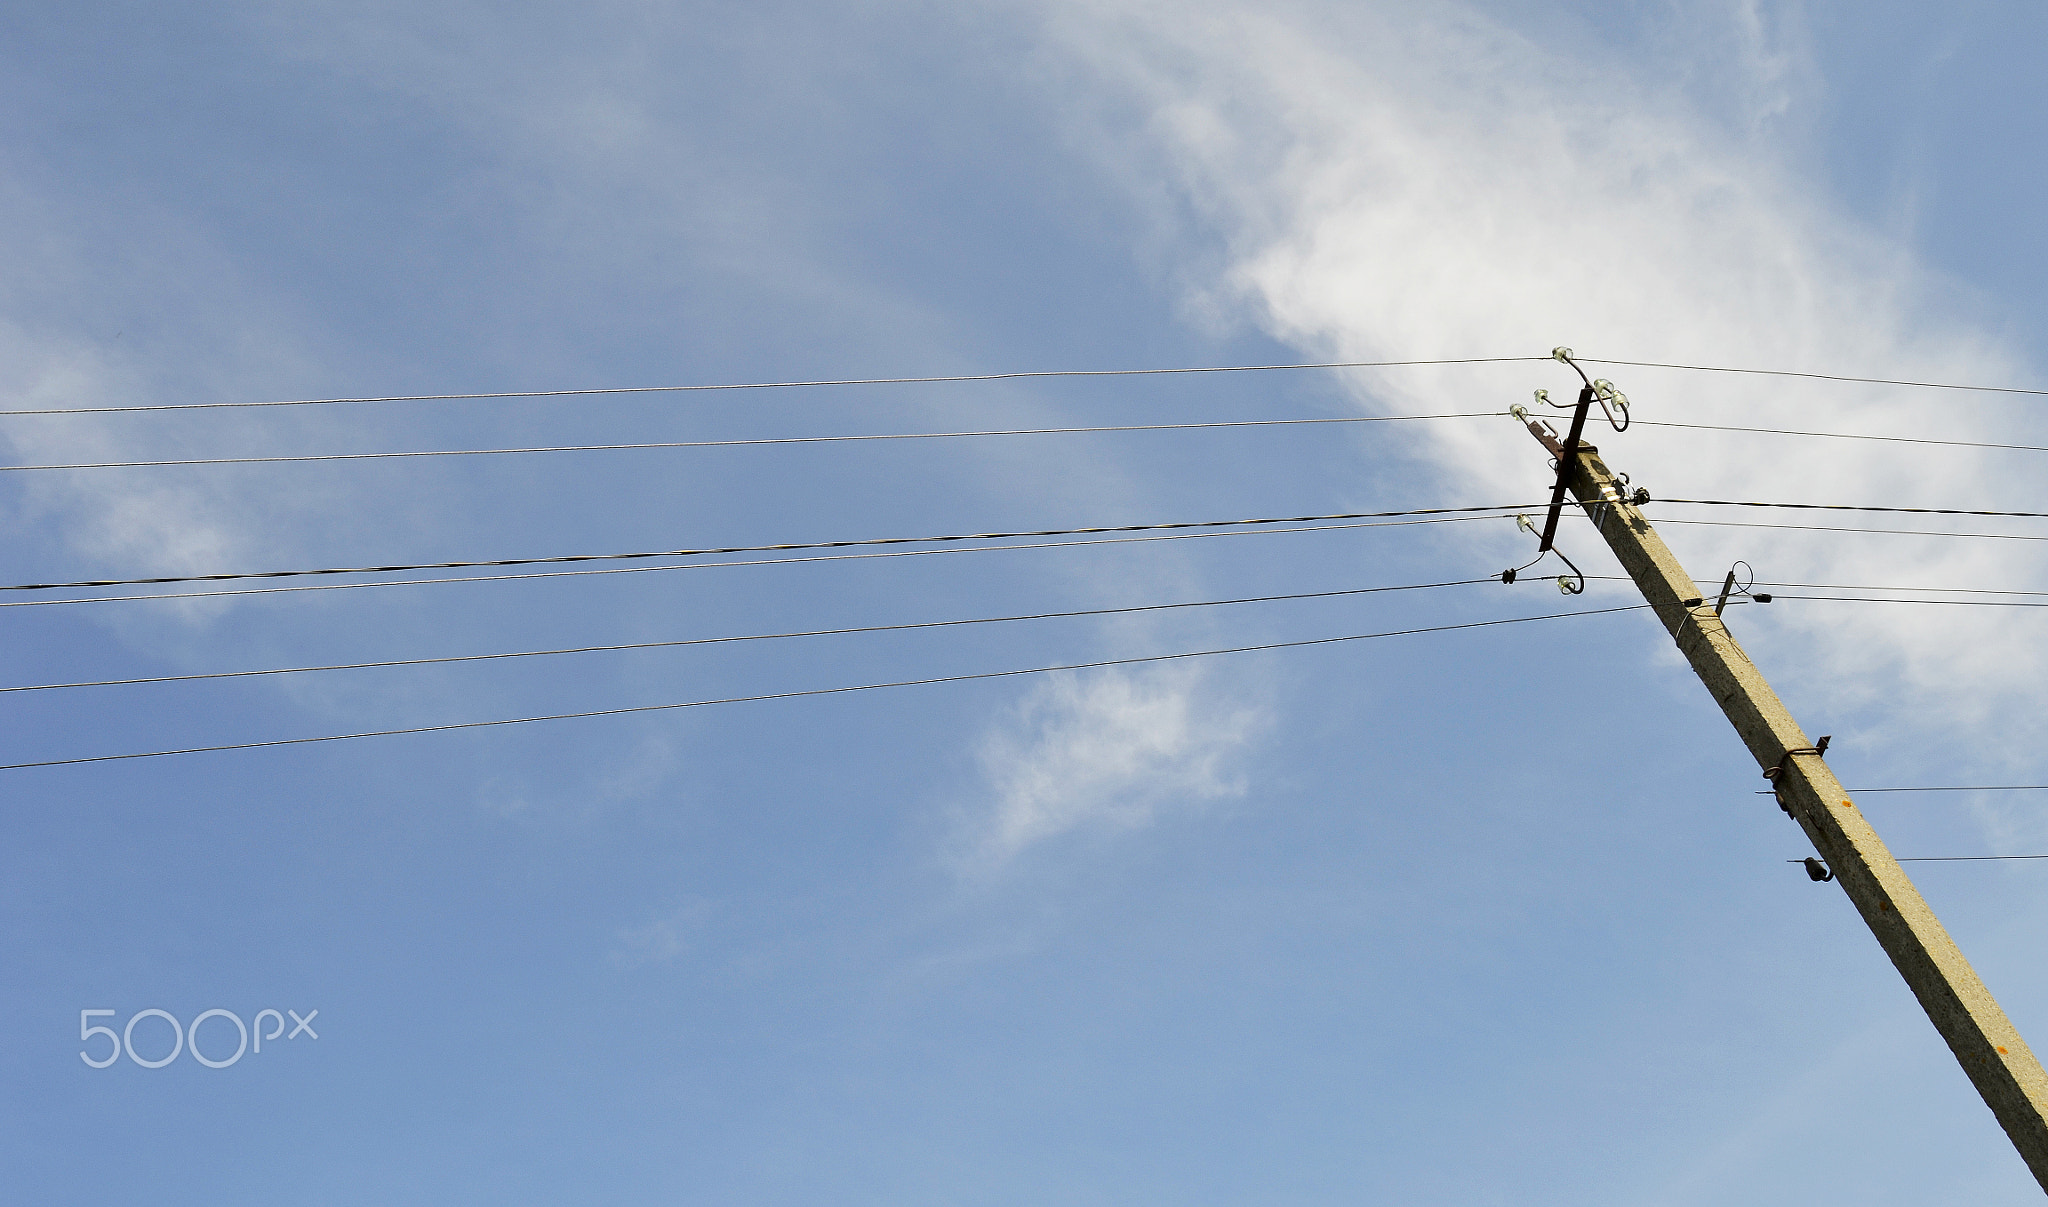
[
  {"x": 1564, "y": 584},
  {"x": 1611, "y": 400}
]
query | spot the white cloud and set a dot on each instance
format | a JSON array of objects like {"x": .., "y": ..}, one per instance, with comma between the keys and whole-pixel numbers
[
  {"x": 1106, "y": 751},
  {"x": 1396, "y": 181}
]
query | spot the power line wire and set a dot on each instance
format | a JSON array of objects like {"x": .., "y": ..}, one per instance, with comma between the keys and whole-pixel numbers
[
  {"x": 821, "y": 691},
  {"x": 1952, "y": 603},
  {"x": 654, "y": 645},
  {"x": 770, "y": 561},
  {"x": 1943, "y": 788},
  {"x": 1873, "y": 381},
  {"x": 1007, "y": 376},
  {"x": 784, "y": 385},
  {"x": 1983, "y": 536},
  {"x": 1772, "y": 431},
  {"x": 772, "y": 440},
  {"x": 1946, "y": 858},
  {"x": 612, "y": 557},
  {"x": 1622, "y": 578},
  {"x": 2031, "y": 515},
  {"x": 1949, "y": 603},
  {"x": 1931, "y": 590},
  {"x": 1961, "y": 858},
  {"x": 1957, "y": 603},
  {"x": 670, "y": 553}
]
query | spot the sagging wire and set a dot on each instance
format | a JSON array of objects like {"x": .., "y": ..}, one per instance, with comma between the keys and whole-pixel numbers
[{"x": 638, "y": 709}]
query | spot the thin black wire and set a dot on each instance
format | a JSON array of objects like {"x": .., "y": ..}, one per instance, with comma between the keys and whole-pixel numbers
[
  {"x": 1944, "y": 788},
  {"x": 1772, "y": 431},
  {"x": 1946, "y": 858},
  {"x": 656, "y": 645},
  {"x": 1946, "y": 603},
  {"x": 671, "y": 444},
  {"x": 821, "y": 691},
  {"x": 1011, "y": 376},
  {"x": 1943, "y": 590},
  {"x": 768, "y": 561},
  {"x": 1987, "y": 603},
  {"x": 613, "y": 557},
  {"x": 2031, "y": 515},
  {"x": 1622, "y": 578},
  {"x": 1982, "y": 536},
  {"x": 597, "y": 557},
  {"x": 1873, "y": 381},
  {"x": 784, "y": 385},
  {"x": 1960, "y": 858}
]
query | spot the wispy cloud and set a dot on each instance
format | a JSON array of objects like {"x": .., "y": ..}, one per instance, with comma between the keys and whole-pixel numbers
[
  {"x": 1395, "y": 181},
  {"x": 1106, "y": 751}
]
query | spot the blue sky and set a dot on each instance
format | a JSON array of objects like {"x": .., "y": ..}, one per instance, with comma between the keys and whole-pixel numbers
[{"x": 1491, "y": 916}]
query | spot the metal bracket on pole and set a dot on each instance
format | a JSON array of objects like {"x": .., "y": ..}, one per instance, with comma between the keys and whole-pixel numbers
[
  {"x": 1726, "y": 587},
  {"x": 1567, "y": 457}
]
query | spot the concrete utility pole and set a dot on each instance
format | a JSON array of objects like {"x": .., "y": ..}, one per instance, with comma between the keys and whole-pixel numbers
[{"x": 1985, "y": 1043}]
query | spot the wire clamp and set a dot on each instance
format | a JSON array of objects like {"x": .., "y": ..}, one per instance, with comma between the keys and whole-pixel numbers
[
  {"x": 1817, "y": 871},
  {"x": 1730, "y": 587},
  {"x": 1774, "y": 774}
]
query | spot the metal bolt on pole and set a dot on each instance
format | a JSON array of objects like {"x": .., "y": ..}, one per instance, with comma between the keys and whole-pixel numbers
[{"x": 1997, "y": 1061}]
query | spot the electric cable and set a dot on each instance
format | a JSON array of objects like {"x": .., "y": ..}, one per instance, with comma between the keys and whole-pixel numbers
[
  {"x": 1867, "y": 598},
  {"x": 1946, "y": 858},
  {"x": 1943, "y": 590},
  {"x": 763, "y": 441},
  {"x": 820, "y": 691},
  {"x": 1772, "y": 431},
  {"x": 1947, "y": 603},
  {"x": 768, "y": 561},
  {"x": 783, "y": 385},
  {"x": 1872, "y": 381},
  {"x": 1622, "y": 578},
  {"x": 656, "y": 645},
  {"x": 2029, "y": 515},
  {"x": 1958, "y": 858},
  {"x": 982, "y": 536},
  {"x": 1006, "y": 376},
  {"x": 664, "y": 553},
  {"x": 1981, "y": 536},
  {"x": 1944, "y": 788}
]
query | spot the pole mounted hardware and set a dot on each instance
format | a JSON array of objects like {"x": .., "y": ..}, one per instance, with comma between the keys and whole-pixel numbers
[{"x": 1566, "y": 452}]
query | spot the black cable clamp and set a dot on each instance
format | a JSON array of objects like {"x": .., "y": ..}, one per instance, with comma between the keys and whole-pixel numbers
[{"x": 1772, "y": 774}]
